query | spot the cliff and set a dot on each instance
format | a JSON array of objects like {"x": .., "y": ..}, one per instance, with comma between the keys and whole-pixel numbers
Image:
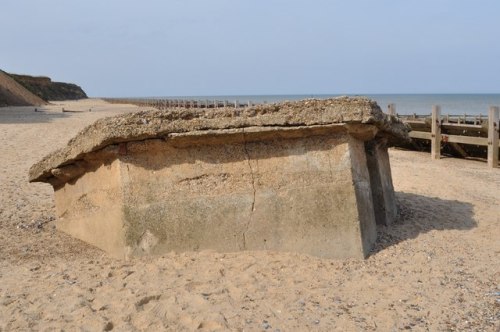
[
  {"x": 44, "y": 88},
  {"x": 14, "y": 94}
]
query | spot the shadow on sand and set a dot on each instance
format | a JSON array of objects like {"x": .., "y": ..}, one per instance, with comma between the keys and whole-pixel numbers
[
  {"x": 27, "y": 114},
  {"x": 420, "y": 214}
]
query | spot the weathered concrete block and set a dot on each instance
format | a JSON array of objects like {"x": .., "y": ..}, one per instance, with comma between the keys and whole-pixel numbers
[{"x": 310, "y": 176}]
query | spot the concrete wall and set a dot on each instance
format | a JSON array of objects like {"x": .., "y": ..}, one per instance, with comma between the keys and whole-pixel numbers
[
  {"x": 91, "y": 209},
  {"x": 307, "y": 192}
]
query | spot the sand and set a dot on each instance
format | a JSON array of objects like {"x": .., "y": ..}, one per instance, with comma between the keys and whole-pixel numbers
[{"x": 437, "y": 268}]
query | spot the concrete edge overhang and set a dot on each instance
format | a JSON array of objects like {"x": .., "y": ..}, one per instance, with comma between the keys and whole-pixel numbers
[{"x": 359, "y": 117}]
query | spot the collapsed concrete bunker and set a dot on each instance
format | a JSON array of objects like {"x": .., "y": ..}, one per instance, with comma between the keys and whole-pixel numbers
[{"x": 309, "y": 176}]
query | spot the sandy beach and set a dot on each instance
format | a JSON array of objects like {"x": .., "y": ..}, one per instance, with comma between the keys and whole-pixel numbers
[{"x": 436, "y": 269}]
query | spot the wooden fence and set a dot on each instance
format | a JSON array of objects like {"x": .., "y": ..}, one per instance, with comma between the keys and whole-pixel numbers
[{"x": 455, "y": 130}]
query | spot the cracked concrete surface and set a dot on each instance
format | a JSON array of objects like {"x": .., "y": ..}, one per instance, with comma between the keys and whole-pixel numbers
[{"x": 252, "y": 208}]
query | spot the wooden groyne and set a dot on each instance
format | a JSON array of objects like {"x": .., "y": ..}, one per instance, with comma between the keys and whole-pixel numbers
[
  {"x": 162, "y": 104},
  {"x": 466, "y": 136}
]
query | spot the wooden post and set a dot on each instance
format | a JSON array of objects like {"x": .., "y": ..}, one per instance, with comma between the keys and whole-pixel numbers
[
  {"x": 236, "y": 104},
  {"x": 493, "y": 124},
  {"x": 392, "y": 109},
  {"x": 436, "y": 132}
]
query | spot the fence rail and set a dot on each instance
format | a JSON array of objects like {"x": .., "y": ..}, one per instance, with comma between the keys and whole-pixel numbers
[{"x": 452, "y": 130}]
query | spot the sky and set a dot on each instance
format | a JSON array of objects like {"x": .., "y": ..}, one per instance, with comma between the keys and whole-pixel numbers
[{"x": 124, "y": 48}]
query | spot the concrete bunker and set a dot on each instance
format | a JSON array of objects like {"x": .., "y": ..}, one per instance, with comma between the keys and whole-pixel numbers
[{"x": 310, "y": 176}]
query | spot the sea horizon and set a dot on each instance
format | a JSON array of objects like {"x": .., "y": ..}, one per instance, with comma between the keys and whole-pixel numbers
[{"x": 405, "y": 103}]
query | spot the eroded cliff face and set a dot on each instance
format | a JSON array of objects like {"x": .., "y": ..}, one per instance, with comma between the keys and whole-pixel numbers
[
  {"x": 47, "y": 90},
  {"x": 14, "y": 94}
]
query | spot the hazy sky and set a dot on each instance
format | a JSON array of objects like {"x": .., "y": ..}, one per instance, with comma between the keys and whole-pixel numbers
[{"x": 233, "y": 47}]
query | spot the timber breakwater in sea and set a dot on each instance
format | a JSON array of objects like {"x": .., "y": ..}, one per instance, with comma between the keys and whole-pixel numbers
[{"x": 162, "y": 104}]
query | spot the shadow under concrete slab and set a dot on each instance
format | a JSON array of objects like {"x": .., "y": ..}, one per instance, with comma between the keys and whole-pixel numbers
[{"x": 421, "y": 214}]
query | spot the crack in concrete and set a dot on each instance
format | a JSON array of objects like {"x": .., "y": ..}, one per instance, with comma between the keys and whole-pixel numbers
[
  {"x": 330, "y": 167},
  {"x": 253, "y": 187}
]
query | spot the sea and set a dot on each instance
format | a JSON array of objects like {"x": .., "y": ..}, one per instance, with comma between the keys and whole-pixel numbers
[{"x": 406, "y": 104}]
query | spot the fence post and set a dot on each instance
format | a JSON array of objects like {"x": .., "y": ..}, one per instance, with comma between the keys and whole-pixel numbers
[
  {"x": 493, "y": 118},
  {"x": 392, "y": 109},
  {"x": 436, "y": 132}
]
